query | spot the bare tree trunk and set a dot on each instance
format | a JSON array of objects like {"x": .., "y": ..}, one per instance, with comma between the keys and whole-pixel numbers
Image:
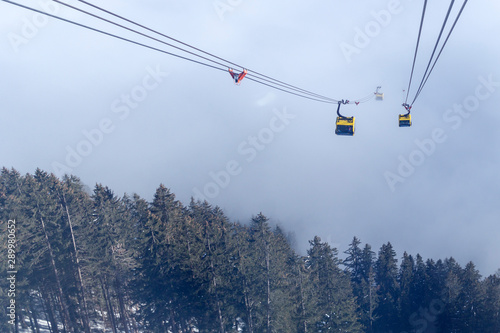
[
  {"x": 101, "y": 311},
  {"x": 250, "y": 316},
  {"x": 109, "y": 306},
  {"x": 34, "y": 314},
  {"x": 370, "y": 284},
  {"x": 86, "y": 325},
  {"x": 214, "y": 281},
  {"x": 59, "y": 315},
  {"x": 268, "y": 282},
  {"x": 52, "y": 323},
  {"x": 62, "y": 303},
  {"x": 121, "y": 305},
  {"x": 302, "y": 305},
  {"x": 268, "y": 290},
  {"x": 248, "y": 303}
]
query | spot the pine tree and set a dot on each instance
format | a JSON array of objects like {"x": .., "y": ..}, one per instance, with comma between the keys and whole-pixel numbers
[
  {"x": 214, "y": 266},
  {"x": 353, "y": 264},
  {"x": 166, "y": 287},
  {"x": 406, "y": 281},
  {"x": 491, "y": 303},
  {"x": 333, "y": 306},
  {"x": 260, "y": 277},
  {"x": 386, "y": 271},
  {"x": 471, "y": 300},
  {"x": 10, "y": 209},
  {"x": 435, "y": 274},
  {"x": 369, "y": 301},
  {"x": 49, "y": 213},
  {"x": 244, "y": 275},
  {"x": 74, "y": 202},
  {"x": 359, "y": 264},
  {"x": 283, "y": 292},
  {"x": 450, "y": 320}
]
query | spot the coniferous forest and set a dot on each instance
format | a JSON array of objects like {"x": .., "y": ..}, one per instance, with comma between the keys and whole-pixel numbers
[{"x": 90, "y": 261}]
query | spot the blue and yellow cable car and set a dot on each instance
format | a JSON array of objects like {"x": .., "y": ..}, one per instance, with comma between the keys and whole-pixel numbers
[
  {"x": 344, "y": 125},
  {"x": 405, "y": 119}
]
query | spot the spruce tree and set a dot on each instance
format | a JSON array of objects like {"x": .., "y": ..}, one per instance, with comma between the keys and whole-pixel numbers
[
  {"x": 260, "y": 275},
  {"x": 215, "y": 259},
  {"x": 369, "y": 302},
  {"x": 284, "y": 295},
  {"x": 471, "y": 300},
  {"x": 333, "y": 306},
  {"x": 165, "y": 285},
  {"x": 491, "y": 303},
  {"x": 406, "y": 281},
  {"x": 386, "y": 271},
  {"x": 450, "y": 320},
  {"x": 353, "y": 264}
]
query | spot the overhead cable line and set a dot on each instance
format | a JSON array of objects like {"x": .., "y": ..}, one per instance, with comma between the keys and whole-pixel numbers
[
  {"x": 184, "y": 50},
  {"x": 432, "y": 61},
  {"x": 442, "y": 47},
  {"x": 290, "y": 92},
  {"x": 416, "y": 49},
  {"x": 110, "y": 34},
  {"x": 154, "y": 48},
  {"x": 262, "y": 76},
  {"x": 434, "y": 50}
]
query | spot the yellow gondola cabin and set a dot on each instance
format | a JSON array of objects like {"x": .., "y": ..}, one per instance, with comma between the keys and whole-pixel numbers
[
  {"x": 405, "y": 120},
  {"x": 345, "y": 126}
]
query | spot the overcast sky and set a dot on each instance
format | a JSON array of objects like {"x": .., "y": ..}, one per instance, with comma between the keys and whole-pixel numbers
[{"x": 131, "y": 118}]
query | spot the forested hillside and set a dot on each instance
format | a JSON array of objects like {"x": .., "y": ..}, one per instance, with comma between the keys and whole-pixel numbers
[{"x": 86, "y": 260}]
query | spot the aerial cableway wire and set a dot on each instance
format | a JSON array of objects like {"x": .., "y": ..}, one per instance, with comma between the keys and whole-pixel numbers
[
  {"x": 301, "y": 91},
  {"x": 434, "y": 50},
  {"x": 263, "y": 77},
  {"x": 109, "y": 34},
  {"x": 442, "y": 47},
  {"x": 291, "y": 92},
  {"x": 416, "y": 50},
  {"x": 155, "y": 48},
  {"x": 432, "y": 61}
]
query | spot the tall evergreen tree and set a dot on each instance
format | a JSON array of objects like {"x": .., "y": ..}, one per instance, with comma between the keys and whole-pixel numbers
[
  {"x": 260, "y": 236},
  {"x": 333, "y": 305},
  {"x": 386, "y": 271},
  {"x": 359, "y": 263},
  {"x": 471, "y": 300},
  {"x": 450, "y": 320},
  {"x": 369, "y": 301},
  {"x": 284, "y": 295},
  {"x": 353, "y": 263},
  {"x": 406, "y": 281},
  {"x": 214, "y": 264},
  {"x": 491, "y": 305},
  {"x": 165, "y": 285},
  {"x": 244, "y": 273},
  {"x": 419, "y": 290},
  {"x": 52, "y": 222}
]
